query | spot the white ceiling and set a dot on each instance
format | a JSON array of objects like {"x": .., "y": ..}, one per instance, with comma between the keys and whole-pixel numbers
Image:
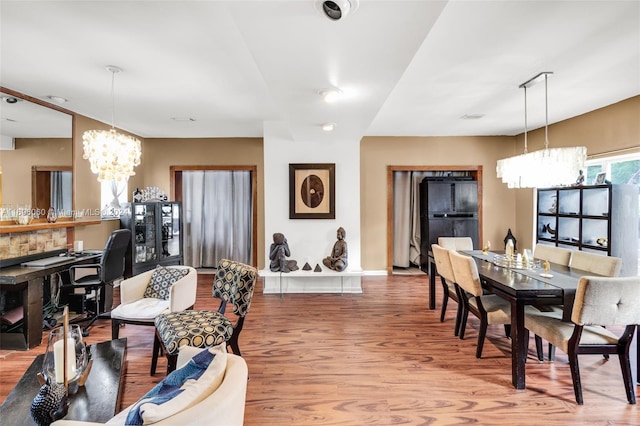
[{"x": 407, "y": 68}]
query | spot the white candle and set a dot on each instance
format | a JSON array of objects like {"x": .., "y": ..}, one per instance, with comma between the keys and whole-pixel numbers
[{"x": 58, "y": 351}]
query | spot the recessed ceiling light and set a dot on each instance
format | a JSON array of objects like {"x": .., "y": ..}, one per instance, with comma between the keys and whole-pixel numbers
[
  {"x": 58, "y": 99},
  {"x": 472, "y": 116},
  {"x": 328, "y": 127},
  {"x": 331, "y": 94},
  {"x": 183, "y": 119},
  {"x": 10, "y": 99}
]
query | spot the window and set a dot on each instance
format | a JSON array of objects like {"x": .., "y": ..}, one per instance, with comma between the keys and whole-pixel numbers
[
  {"x": 112, "y": 195},
  {"x": 619, "y": 169}
]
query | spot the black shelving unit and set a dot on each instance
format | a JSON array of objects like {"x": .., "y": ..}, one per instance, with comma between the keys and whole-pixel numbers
[
  {"x": 448, "y": 208},
  {"x": 596, "y": 218},
  {"x": 156, "y": 229}
]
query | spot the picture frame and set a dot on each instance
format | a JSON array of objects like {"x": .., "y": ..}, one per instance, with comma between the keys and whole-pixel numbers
[
  {"x": 312, "y": 191},
  {"x": 601, "y": 178}
]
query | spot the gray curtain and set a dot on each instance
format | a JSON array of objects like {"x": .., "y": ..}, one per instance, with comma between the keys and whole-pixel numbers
[
  {"x": 406, "y": 217},
  {"x": 61, "y": 190},
  {"x": 218, "y": 217}
]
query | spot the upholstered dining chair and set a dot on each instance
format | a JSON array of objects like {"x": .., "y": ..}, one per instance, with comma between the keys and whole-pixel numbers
[
  {"x": 444, "y": 269},
  {"x": 233, "y": 284},
  {"x": 102, "y": 274},
  {"x": 553, "y": 254},
  {"x": 456, "y": 243},
  {"x": 608, "y": 266},
  {"x": 599, "y": 302},
  {"x": 161, "y": 290},
  {"x": 489, "y": 308}
]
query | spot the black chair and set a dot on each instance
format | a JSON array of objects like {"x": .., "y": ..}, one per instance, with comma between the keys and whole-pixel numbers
[{"x": 110, "y": 268}]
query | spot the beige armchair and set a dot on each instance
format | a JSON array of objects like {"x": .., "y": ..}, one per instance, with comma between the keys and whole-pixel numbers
[
  {"x": 599, "y": 302},
  {"x": 137, "y": 309}
]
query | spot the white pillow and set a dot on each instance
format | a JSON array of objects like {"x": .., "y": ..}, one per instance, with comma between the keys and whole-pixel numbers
[{"x": 153, "y": 407}]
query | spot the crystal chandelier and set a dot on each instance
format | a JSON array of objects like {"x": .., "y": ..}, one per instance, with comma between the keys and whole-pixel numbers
[
  {"x": 547, "y": 167},
  {"x": 112, "y": 155}
]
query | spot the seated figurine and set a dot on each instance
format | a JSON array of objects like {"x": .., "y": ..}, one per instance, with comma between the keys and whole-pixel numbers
[
  {"x": 338, "y": 260},
  {"x": 278, "y": 254}
]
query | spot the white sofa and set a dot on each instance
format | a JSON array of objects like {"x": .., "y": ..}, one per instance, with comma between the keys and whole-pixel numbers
[{"x": 224, "y": 406}]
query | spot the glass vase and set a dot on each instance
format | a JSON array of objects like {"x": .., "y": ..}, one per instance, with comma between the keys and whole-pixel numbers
[{"x": 53, "y": 366}]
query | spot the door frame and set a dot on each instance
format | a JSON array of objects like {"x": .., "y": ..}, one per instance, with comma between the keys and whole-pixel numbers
[
  {"x": 176, "y": 191},
  {"x": 476, "y": 172}
]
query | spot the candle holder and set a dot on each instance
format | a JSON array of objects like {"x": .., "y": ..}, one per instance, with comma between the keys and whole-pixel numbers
[{"x": 53, "y": 364}]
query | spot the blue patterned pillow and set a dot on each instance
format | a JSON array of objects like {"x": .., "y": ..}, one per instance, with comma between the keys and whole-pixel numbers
[{"x": 161, "y": 281}]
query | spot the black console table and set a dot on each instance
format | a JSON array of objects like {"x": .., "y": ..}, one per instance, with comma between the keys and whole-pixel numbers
[{"x": 97, "y": 401}]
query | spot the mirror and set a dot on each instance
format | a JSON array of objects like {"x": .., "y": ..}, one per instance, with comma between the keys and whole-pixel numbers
[
  {"x": 36, "y": 151},
  {"x": 51, "y": 186}
]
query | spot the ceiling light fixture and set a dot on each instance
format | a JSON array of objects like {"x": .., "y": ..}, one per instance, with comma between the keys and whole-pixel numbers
[
  {"x": 11, "y": 99},
  {"x": 331, "y": 94},
  {"x": 112, "y": 155},
  {"x": 472, "y": 116},
  {"x": 546, "y": 167},
  {"x": 58, "y": 99},
  {"x": 328, "y": 127}
]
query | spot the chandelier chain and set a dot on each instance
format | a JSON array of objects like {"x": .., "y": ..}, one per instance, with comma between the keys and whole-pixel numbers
[
  {"x": 546, "y": 114},
  {"x": 525, "y": 121}
]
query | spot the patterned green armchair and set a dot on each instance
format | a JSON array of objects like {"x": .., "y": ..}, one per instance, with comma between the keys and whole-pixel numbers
[{"x": 233, "y": 284}]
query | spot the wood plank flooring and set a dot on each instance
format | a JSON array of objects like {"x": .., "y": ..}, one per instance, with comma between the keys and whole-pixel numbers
[{"x": 378, "y": 358}]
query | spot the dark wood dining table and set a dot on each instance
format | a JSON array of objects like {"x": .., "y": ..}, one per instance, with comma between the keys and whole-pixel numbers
[{"x": 521, "y": 288}]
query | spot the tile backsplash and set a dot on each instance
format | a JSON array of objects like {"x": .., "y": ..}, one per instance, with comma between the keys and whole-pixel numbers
[{"x": 32, "y": 242}]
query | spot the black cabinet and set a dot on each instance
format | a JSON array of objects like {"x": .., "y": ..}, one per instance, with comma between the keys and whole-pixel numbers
[
  {"x": 448, "y": 208},
  {"x": 597, "y": 218},
  {"x": 156, "y": 229}
]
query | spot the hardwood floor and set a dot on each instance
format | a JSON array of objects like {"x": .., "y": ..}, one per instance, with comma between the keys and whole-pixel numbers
[{"x": 379, "y": 358}]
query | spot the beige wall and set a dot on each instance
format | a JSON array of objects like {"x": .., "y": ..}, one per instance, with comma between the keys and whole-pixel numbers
[
  {"x": 616, "y": 127},
  {"x": 607, "y": 129},
  {"x": 16, "y": 165},
  {"x": 379, "y": 152},
  {"x": 161, "y": 154}
]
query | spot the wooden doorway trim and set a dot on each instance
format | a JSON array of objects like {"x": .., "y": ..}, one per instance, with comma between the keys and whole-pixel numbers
[
  {"x": 176, "y": 192},
  {"x": 476, "y": 172}
]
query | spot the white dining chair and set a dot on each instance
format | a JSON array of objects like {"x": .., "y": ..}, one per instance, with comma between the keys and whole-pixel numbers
[
  {"x": 599, "y": 302},
  {"x": 444, "y": 269},
  {"x": 489, "y": 308},
  {"x": 553, "y": 254},
  {"x": 456, "y": 243},
  {"x": 608, "y": 266}
]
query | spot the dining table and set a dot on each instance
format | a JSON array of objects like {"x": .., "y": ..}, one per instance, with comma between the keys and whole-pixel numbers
[{"x": 522, "y": 287}]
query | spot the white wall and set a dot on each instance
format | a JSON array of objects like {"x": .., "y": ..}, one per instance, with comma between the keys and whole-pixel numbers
[{"x": 311, "y": 239}]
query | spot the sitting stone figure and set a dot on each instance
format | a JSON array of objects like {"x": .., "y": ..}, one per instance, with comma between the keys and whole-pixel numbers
[
  {"x": 278, "y": 254},
  {"x": 338, "y": 260}
]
